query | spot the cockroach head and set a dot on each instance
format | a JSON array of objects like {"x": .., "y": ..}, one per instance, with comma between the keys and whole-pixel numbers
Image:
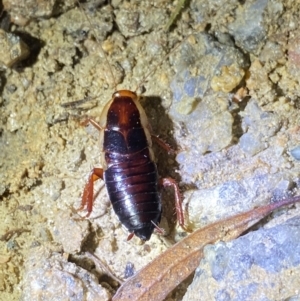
[{"x": 125, "y": 93}]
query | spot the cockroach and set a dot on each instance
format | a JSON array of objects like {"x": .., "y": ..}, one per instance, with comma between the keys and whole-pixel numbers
[
  {"x": 129, "y": 171},
  {"x": 128, "y": 166}
]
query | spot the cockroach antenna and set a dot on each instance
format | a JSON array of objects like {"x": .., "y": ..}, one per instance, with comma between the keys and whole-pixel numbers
[
  {"x": 98, "y": 41},
  {"x": 159, "y": 63}
]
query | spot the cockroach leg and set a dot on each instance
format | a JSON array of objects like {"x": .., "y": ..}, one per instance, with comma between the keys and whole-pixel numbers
[
  {"x": 92, "y": 122},
  {"x": 162, "y": 144},
  {"x": 88, "y": 193},
  {"x": 165, "y": 182}
]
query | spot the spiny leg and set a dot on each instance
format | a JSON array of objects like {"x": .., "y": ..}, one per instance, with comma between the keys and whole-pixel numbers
[
  {"x": 92, "y": 122},
  {"x": 165, "y": 182},
  {"x": 96, "y": 173},
  {"x": 88, "y": 193},
  {"x": 162, "y": 144}
]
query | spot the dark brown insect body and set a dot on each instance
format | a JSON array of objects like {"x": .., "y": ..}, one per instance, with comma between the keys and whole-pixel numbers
[
  {"x": 131, "y": 176},
  {"x": 129, "y": 171}
]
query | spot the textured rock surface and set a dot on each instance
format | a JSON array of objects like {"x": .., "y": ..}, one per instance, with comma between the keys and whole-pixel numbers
[
  {"x": 12, "y": 49},
  {"x": 21, "y": 13},
  {"x": 70, "y": 233},
  {"x": 261, "y": 265},
  {"x": 49, "y": 276},
  {"x": 252, "y": 21}
]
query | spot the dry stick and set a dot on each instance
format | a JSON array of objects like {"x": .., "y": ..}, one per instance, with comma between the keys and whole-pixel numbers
[
  {"x": 163, "y": 274},
  {"x": 8, "y": 235},
  {"x": 102, "y": 266}
]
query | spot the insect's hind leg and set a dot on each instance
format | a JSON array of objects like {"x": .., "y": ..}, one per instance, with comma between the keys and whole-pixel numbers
[
  {"x": 162, "y": 144},
  {"x": 88, "y": 193},
  {"x": 165, "y": 182}
]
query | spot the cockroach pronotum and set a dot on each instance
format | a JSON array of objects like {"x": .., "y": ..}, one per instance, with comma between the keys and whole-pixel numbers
[
  {"x": 128, "y": 167},
  {"x": 129, "y": 170}
]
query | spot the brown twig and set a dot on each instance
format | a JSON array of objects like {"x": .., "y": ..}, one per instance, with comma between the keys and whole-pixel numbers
[{"x": 163, "y": 274}]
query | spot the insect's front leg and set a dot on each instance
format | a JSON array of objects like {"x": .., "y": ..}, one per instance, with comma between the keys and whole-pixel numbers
[
  {"x": 91, "y": 121},
  {"x": 88, "y": 193}
]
